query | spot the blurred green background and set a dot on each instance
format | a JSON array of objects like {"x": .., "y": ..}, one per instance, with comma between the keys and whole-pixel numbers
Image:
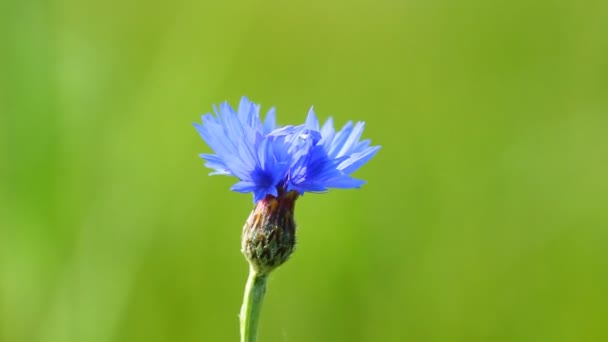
[{"x": 485, "y": 216}]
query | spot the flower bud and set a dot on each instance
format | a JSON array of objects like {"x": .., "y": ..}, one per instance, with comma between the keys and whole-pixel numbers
[{"x": 269, "y": 233}]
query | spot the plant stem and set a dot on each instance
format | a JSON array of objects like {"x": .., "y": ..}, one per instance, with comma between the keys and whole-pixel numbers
[{"x": 252, "y": 305}]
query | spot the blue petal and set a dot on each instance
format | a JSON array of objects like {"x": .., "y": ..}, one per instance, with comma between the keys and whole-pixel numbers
[
  {"x": 311, "y": 120},
  {"x": 345, "y": 183},
  {"x": 225, "y": 146},
  {"x": 357, "y": 160},
  {"x": 270, "y": 123},
  {"x": 339, "y": 139},
  {"x": 216, "y": 163},
  {"x": 260, "y": 194},
  {"x": 327, "y": 134},
  {"x": 244, "y": 108},
  {"x": 352, "y": 139},
  {"x": 244, "y": 187}
]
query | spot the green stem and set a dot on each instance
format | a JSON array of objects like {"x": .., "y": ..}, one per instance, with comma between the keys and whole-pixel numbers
[{"x": 252, "y": 305}]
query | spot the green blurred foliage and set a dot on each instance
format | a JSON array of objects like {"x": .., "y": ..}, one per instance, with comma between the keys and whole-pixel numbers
[{"x": 485, "y": 216}]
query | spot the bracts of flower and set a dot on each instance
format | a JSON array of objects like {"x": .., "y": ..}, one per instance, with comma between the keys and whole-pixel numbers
[{"x": 278, "y": 164}]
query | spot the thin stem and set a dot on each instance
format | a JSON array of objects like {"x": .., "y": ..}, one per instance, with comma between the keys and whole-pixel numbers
[{"x": 252, "y": 305}]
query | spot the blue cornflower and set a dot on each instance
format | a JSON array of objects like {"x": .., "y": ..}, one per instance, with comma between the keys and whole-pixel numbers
[
  {"x": 272, "y": 160},
  {"x": 277, "y": 164}
]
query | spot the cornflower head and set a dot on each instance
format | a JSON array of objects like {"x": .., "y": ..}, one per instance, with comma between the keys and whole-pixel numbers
[
  {"x": 278, "y": 164},
  {"x": 269, "y": 160}
]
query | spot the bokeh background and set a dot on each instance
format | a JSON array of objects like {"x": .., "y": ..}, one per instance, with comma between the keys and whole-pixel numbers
[{"x": 485, "y": 216}]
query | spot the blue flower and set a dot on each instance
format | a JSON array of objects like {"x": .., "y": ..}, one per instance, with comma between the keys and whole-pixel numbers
[{"x": 270, "y": 160}]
